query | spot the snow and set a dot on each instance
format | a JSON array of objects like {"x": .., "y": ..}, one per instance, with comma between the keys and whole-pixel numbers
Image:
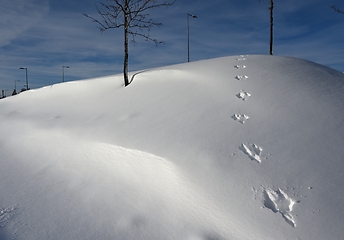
[{"x": 240, "y": 147}]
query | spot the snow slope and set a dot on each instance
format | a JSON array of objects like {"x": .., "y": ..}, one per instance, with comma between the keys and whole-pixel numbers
[{"x": 242, "y": 147}]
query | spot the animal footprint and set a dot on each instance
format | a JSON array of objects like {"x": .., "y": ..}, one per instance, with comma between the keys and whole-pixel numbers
[
  {"x": 243, "y": 95},
  {"x": 5, "y": 216},
  {"x": 239, "y": 66},
  {"x": 279, "y": 202},
  {"x": 241, "y": 77},
  {"x": 252, "y": 151},
  {"x": 240, "y": 117}
]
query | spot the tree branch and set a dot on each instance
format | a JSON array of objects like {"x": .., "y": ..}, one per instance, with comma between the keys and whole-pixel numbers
[
  {"x": 112, "y": 15},
  {"x": 335, "y": 8},
  {"x": 130, "y": 15}
]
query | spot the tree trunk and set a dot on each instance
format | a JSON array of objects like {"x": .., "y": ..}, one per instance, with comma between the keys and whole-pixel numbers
[
  {"x": 271, "y": 25},
  {"x": 126, "y": 48},
  {"x": 126, "y": 56}
]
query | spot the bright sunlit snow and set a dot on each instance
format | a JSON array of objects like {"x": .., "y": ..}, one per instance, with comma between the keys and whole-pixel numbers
[{"x": 242, "y": 147}]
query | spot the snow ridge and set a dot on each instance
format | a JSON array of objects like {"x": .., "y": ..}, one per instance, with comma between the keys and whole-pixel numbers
[{"x": 177, "y": 154}]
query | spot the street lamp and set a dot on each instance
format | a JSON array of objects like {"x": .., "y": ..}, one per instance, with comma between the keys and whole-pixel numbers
[
  {"x": 15, "y": 86},
  {"x": 63, "y": 67},
  {"x": 187, "y": 17},
  {"x": 27, "y": 80}
]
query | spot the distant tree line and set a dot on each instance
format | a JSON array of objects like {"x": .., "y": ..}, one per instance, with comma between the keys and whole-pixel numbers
[{"x": 3, "y": 93}]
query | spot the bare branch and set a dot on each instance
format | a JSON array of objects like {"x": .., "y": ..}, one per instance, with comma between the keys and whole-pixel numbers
[
  {"x": 133, "y": 17},
  {"x": 145, "y": 36},
  {"x": 112, "y": 15},
  {"x": 337, "y": 9}
]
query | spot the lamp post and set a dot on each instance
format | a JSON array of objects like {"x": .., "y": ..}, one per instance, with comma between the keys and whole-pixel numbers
[
  {"x": 27, "y": 80},
  {"x": 187, "y": 17},
  {"x": 63, "y": 67},
  {"x": 15, "y": 86}
]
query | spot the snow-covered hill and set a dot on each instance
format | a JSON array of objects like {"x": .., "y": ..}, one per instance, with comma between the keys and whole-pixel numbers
[{"x": 242, "y": 147}]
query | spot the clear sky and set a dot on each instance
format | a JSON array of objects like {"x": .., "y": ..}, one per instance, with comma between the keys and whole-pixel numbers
[{"x": 44, "y": 35}]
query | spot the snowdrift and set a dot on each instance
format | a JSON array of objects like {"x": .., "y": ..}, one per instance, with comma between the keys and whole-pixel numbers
[{"x": 242, "y": 147}]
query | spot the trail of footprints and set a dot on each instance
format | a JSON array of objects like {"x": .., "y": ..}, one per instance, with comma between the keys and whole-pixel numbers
[
  {"x": 278, "y": 201},
  {"x": 242, "y": 94}
]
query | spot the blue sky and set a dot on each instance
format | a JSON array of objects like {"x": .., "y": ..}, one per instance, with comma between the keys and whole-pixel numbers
[{"x": 44, "y": 35}]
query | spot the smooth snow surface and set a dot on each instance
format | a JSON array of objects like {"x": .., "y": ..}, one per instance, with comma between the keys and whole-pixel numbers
[{"x": 242, "y": 147}]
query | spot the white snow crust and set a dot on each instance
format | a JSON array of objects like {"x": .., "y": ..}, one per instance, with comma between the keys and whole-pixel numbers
[{"x": 178, "y": 154}]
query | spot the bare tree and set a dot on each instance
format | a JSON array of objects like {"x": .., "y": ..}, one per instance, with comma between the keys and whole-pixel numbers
[
  {"x": 271, "y": 8},
  {"x": 133, "y": 17},
  {"x": 337, "y": 9}
]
